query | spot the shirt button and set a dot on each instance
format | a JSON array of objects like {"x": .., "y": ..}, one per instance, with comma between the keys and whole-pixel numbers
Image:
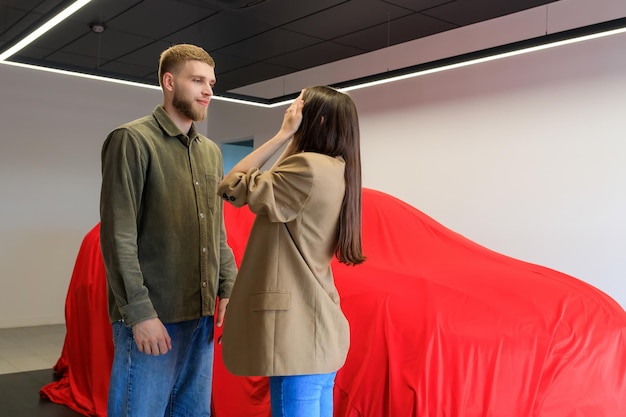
[
  {"x": 197, "y": 183},
  {"x": 203, "y": 250},
  {"x": 202, "y": 215},
  {"x": 204, "y": 284}
]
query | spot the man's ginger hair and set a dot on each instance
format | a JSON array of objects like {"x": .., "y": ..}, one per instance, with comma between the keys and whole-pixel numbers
[{"x": 175, "y": 56}]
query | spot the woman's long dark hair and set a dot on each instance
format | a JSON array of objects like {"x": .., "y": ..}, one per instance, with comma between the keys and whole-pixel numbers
[{"x": 330, "y": 126}]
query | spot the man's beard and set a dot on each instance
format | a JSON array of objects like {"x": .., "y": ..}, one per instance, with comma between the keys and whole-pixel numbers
[{"x": 187, "y": 108}]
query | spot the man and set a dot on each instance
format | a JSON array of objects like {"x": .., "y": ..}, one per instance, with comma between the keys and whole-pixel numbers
[{"x": 164, "y": 247}]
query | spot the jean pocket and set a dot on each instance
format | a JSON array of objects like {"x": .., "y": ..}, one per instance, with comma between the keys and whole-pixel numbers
[
  {"x": 270, "y": 301},
  {"x": 118, "y": 328}
]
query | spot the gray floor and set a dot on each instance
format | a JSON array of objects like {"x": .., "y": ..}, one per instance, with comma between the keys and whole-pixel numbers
[
  {"x": 27, "y": 355},
  {"x": 25, "y": 349}
]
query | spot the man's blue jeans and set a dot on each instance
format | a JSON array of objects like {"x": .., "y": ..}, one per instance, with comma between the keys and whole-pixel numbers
[
  {"x": 177, "y": 384},
  {"x": 302, "y": 395}
]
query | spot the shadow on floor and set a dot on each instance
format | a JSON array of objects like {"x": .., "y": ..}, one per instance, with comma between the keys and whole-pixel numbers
[{"x": 19, "y": 396}]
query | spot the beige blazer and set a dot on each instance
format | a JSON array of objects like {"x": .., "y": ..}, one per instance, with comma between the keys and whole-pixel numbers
[{"x": 284, "y": 316}]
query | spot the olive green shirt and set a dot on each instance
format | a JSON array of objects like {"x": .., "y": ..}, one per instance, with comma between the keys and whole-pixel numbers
[{"x": 162, "y": 229}]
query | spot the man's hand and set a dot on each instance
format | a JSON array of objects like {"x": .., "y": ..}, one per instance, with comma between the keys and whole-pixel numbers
[
  {"x": 221, "y": 311},
  {"x": 151, "y": 337}
]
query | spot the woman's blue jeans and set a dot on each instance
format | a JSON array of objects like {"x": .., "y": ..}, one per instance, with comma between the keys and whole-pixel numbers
[
  {"x": 302, "y": 395},
  {"x": 176, "y": 384}
]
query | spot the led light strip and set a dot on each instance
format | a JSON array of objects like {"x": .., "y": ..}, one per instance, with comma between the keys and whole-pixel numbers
[
  {"x": 384, "y": 78},
  {"x": 43, "y": 29},
  {"x": 388, "y": 78},
  {"x": 485, "y": 59}
]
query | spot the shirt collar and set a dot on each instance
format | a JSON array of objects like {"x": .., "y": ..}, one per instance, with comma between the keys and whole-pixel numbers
[{"x": 170, "y": 128}]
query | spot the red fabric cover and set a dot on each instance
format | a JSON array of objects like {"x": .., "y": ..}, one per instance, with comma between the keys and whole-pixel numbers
[
  {"x": 440, "y": 326},
  {"x": 84, "y": 368}
]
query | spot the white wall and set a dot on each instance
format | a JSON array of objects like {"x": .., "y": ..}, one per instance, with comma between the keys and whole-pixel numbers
[
  {"x": 525, "y": 156},
  {"x": 52, "y": 129}
]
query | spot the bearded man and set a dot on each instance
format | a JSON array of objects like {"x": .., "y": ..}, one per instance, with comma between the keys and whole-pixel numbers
[{"x": 164, "y": 247}]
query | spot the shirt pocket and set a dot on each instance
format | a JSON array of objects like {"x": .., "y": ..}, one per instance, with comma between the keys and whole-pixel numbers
[
  {"x": 212, "y": 181},
  {"x": 270, "y": 301}
]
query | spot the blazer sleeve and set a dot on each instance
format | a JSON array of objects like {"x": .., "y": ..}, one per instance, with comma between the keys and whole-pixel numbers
[{"x": 280, "y": 193}]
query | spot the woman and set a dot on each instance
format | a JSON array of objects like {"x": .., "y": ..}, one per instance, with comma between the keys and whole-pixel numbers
[{"x": 284, "y": 318}]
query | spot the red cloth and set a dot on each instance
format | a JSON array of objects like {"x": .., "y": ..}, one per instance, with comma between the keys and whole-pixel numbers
[
  {"x": 440, "y": 326},
  {"x": 84, "y": 368}
]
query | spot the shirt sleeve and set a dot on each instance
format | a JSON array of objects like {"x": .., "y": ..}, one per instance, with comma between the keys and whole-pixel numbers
[
  {"x": 228, "y": 266},
  {"x": 123, "y": 175},
  {"x": 280, "y": 193}
]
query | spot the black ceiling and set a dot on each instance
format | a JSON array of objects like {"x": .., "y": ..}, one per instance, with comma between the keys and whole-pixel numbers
[{"x": 251, "y": 40}]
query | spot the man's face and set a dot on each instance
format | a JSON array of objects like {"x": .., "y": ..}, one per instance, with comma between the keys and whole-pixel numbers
[{"x": 193, "y": 89}]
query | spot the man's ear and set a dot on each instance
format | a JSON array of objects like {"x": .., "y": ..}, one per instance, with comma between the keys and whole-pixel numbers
[{"x": 168, "y": 81}]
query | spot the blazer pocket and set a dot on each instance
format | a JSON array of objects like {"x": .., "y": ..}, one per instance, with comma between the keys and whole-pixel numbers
[{"x": 271, "y": 300}]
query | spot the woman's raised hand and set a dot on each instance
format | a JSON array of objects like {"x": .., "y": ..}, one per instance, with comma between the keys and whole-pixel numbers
[{"x": 293, "y": 116}]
